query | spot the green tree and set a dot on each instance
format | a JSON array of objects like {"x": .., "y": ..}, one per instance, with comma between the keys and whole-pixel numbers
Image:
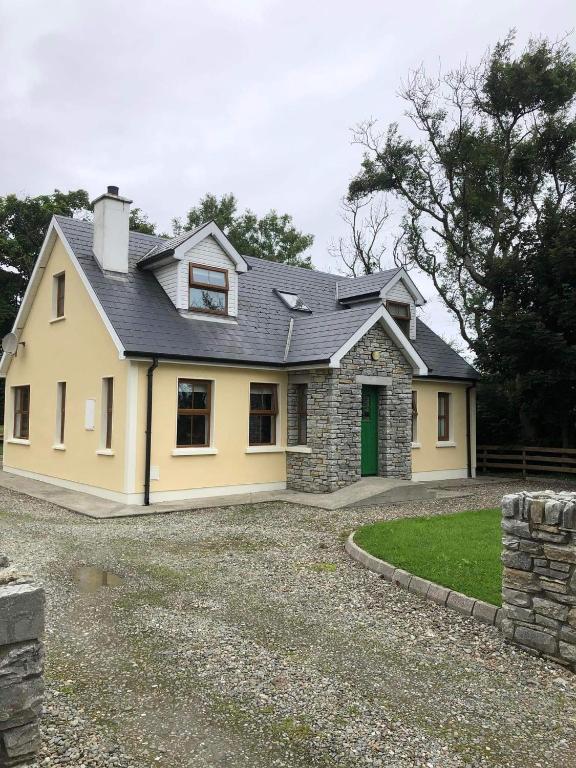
[
  {"x": 487, "y": 192},
  {"x": 139, "y": 222},
  {"x": 496, "y": 150},
  {"x": 273, "y": 237},
  {"x": 23, "y": 225}
]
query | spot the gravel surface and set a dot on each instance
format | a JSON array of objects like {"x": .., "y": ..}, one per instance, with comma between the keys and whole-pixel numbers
[{"x": 246, "y": 637}]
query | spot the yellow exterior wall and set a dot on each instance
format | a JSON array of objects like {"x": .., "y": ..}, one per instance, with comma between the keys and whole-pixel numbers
[
  {"x": 429, "y": 457},
  {"x": 79, "y": 351},
  {"x": 231, "y": 466}
]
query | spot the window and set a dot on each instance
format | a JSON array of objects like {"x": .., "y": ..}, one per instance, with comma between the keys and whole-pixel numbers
[
  {"x": 263, "y": 413},
  {"x": 293, "y": 301},
  {"x": 401, "y": 314},
  {"x": 59, "y": 291},
  {"x": 302, "y": 413},
  {"x": 208, "y": 290},
  {"x": 443, "y": 416},
  {"x": 22, "y": 413},
  {"x": 414, "y": 437},
  {"x": 60, "y": 412},
  {"x": 107, "y": 411},
  {"x": 193, "y": 420}
]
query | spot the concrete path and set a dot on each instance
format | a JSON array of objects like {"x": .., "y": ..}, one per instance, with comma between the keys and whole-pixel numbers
[{"x": 369, "y": 491}]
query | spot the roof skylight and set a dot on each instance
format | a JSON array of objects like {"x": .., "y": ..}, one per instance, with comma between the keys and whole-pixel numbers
[{"x": 293, "y": 301}]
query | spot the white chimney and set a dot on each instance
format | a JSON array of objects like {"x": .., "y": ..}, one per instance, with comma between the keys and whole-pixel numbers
[{"x": 111, "y": 229}]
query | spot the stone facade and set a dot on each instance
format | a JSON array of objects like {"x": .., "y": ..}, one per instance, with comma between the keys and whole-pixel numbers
[
  {"x": 539, "y": 584},
  {"x": 334, "y": 404},
  {"x": 21, "y": 665}
]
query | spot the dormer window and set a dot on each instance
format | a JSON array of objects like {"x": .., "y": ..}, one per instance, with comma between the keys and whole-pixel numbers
[
  {"x": 293, "y": 301},
  {"x": 401, "y": 314},
  {"x": 208, "y": 290}
]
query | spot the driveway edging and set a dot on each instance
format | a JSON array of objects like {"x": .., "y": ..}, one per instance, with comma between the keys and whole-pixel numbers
[{"x": 466, "y": 606}]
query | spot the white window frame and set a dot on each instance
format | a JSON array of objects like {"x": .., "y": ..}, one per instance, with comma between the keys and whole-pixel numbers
[
  {"x": 103, "y": 450},
  {"x": 55, "y": 317},
  {"x": 450, "y": 443}
]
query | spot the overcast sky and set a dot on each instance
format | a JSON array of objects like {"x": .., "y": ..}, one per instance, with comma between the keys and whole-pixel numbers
[{"x": 170, "y": 99}]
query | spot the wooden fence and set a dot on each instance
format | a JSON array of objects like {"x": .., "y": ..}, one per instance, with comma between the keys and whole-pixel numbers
[{"x": 526, "y": 459}]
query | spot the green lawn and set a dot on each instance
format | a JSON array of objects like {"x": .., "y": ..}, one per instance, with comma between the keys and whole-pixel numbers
[{"x": 460, "y": 551}]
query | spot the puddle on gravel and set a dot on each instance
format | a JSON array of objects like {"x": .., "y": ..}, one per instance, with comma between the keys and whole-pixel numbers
[{"x": 91, "y": 579}]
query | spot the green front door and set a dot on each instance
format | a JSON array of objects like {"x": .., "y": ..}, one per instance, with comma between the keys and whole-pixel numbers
[{"x": 369, "y": 463}]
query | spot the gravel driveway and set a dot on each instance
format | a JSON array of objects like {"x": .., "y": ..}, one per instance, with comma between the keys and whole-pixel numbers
[{"x": 245, "y": 637}]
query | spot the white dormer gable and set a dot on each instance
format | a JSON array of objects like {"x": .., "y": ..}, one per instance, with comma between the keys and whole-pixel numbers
[
  {"x": 403, "y": 290},
  {"x": 204, "y": 254}
]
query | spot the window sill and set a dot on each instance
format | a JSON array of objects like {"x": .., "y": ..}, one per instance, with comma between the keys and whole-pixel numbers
[
  {"x": 58, "y": 319},
  {"x": 18, "y": 441},
  {"x": 59, "y": 447},
  {"x": 298, "y": 449},
  {"x": 416, "y": 445},
  {"x": 265, "y": 449},
  {"x": 207, "y": 451},
  {"x": 445, "y": 444},
  {"x": 105, "y": 452}
]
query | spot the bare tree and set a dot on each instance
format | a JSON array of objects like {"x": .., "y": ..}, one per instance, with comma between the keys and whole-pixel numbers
[{"x": 361, "y": 251}]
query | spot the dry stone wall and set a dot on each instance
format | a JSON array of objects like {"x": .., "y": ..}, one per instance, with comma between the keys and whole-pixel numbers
[
  {"x": 21, "y": 666},
  {"x": 539, "y": 580}
]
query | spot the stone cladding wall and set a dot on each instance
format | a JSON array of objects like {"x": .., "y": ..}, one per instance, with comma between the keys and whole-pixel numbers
[{"x": 335, "y": 412}]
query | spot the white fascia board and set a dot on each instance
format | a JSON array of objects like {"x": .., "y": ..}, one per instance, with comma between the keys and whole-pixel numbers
[
  {"x": 403, "y": 276},
  {"x": 383, "y": 316},
  {"x": 54, "y": 231},
  {"x": 213, "y": 230}
]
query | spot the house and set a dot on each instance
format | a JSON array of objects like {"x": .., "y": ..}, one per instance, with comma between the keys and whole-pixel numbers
[{"x": 148, "y": 369}]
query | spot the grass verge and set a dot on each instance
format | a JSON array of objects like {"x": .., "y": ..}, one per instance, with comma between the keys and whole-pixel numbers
[{"x": 460, "y": 551}]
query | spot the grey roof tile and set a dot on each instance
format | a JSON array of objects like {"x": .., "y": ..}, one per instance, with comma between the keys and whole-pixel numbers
[
  {"x": 147, "y": 322},
  {"x": 366, "y": 285}
]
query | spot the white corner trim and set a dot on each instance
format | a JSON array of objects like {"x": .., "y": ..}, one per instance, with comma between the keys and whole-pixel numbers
[
  {"x": 445, "y": 444},
  {"x": 298, "y": 449},
  {"x": 416, "y": 445},
  {"x": 440, "y": 474},
  {"x": 59, "y": 447},
  {"x": 131, "y": 427},
  {"x": 17, "y": 441},
  {"x": 57, "y": 319},
  {"x": 195, "y": 451},
  {"x": 376, "y": 381},
  {"x": 105, "y": 452},
  {"x": 381, "y": 313},
  {"x": 403, "y": 276},
  {"x": 265, "y": 449},
  {"x": 214, "y": 230}
]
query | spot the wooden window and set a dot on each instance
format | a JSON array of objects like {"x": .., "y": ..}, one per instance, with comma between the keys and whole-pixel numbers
[
  {"x": 401, "y": 314},
  {"x": 208, "y": 290},
  {"x": 193, "y": 419},
  {"x": 443, "y": 416},
  {"x": 107, "y": 410},
  {"x": 302, "y": 413},
  {"x": 414, "y": 437},
  {"x": 61, "y": 412},
  {"x": 263, "y": 414},
  {"x": 22, "y": 412},
  {"x": 60, "y": 290}
]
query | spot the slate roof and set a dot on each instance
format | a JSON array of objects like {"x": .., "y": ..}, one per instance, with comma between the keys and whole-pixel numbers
[
  {"x": 167, "y": 246},
  {"x": 147, "y": 323},
  {"x": 366, "y": 285}
]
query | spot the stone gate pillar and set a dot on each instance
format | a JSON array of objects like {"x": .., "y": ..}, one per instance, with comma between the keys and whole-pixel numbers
[{"x": 539, "y": 580}]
